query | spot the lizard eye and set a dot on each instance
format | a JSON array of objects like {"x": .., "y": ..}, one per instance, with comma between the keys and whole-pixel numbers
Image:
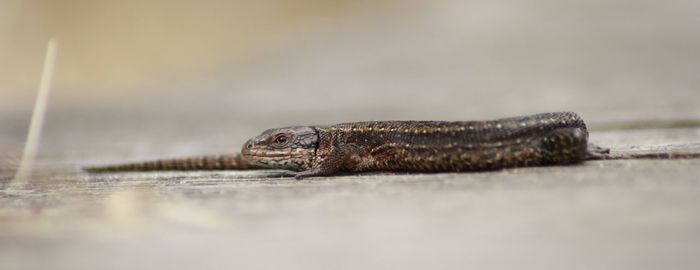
[{"x": 281, "y": 139}]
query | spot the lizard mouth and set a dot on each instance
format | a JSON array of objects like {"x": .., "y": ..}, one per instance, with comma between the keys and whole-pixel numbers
[{"x": 274, "y": 154}]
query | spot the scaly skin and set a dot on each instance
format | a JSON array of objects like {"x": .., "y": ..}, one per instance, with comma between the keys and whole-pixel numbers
[
  {"x": 425, "y": 146},
  {"x": 428, "y": 146},
  {"x": 221, "y": 162}
]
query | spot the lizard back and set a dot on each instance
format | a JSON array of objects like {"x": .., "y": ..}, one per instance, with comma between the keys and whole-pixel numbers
[{"x": 548, "y": 138}]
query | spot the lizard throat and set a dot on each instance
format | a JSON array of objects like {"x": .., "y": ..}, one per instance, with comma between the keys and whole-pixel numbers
[{"x": 295, "y": 161}]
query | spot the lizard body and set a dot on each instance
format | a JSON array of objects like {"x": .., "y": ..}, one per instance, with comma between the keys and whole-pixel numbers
[
  {"x": 427, "y": 146},
  {"x": 542, "y": 139}
]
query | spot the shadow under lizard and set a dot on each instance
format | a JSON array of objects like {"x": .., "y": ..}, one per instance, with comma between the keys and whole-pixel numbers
[{"x": 558, "y": 138}]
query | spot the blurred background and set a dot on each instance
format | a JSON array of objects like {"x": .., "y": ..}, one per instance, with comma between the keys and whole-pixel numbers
[
  {"x": 388, "y": 55},
  {"x": 132, "y": 67}
]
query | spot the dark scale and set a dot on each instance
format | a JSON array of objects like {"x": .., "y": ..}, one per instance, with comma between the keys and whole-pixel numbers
[{"x": 542, "y": 139}]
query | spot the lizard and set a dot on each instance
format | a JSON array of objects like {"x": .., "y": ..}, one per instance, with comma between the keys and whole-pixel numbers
[{"x": 555, "y": 138}]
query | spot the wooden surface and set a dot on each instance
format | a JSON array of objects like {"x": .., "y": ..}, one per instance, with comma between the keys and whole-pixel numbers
[{"x": 639, "y": 214}]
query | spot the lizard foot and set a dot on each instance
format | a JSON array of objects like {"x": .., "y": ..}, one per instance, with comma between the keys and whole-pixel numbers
[{"x": 597, "y": 152}]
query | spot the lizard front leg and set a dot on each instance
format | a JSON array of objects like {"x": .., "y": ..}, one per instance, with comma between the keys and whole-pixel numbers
[{"x": 327, "y": 165}]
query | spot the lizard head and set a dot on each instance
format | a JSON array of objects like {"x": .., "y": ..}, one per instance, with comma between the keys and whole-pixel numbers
[{"x": 290, "y": 148}]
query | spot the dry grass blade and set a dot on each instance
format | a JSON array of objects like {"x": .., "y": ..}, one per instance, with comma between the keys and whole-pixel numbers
[{"x": 35, "y": 126}]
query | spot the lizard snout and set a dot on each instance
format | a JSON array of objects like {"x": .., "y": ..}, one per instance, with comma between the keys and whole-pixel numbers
[{"x": 247, "y": 147}]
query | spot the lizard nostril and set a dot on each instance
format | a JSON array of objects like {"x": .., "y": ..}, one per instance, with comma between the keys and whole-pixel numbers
[{"x": 249, "y": 146}]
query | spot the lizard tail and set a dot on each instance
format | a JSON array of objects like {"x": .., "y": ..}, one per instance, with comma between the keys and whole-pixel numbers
[{"x": 221, "y": 162}]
